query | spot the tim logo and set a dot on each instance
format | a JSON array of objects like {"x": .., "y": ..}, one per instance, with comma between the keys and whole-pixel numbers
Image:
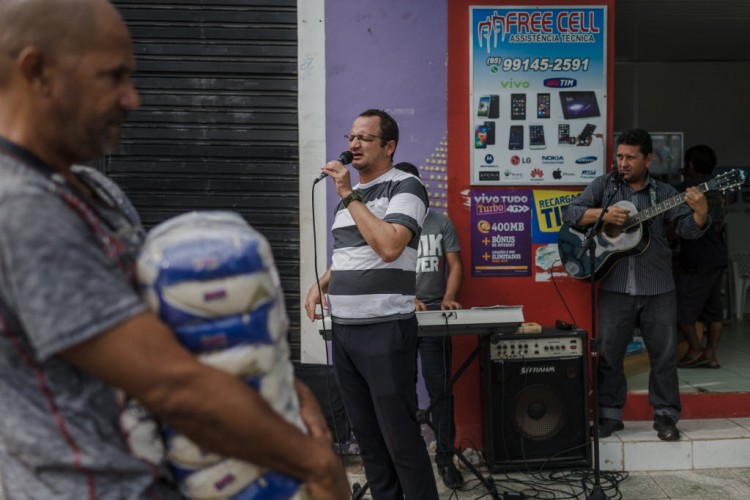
[
  {"x": 537, "y": 173},
  {"x": 586, "y": 159},
  {"x": 561, "y": 83},
  {"x": 526, "y": 370}
]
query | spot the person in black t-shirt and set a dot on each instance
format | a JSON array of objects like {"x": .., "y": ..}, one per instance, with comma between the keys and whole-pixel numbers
[{"x": 703, "y": 262}]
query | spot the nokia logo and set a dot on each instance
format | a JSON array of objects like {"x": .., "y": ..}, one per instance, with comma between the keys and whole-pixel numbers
[
  {"x": 586, "y": 159},
  {"x": 525, "y": 370},
  {"x": 552, "y": 160}
]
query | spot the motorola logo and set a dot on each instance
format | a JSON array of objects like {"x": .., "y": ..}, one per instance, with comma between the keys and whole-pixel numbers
[{"x": 489, "y": 158}]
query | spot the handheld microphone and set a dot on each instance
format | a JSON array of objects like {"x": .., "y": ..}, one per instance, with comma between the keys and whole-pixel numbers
[{"x": 345, "y": 158}]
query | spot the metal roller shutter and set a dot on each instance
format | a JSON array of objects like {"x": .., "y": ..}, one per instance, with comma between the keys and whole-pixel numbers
[{"x": 217, "y": 128}]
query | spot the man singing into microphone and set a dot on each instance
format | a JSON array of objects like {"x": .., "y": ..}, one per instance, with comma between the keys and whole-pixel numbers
[{"x": 371, "y": 287}]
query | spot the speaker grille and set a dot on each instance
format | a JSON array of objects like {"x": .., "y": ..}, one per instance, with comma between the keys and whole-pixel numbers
[{"x": 538, "y": 413}]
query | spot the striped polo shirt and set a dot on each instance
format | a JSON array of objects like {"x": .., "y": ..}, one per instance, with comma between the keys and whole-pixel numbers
[{"x": 363, "y": 288}]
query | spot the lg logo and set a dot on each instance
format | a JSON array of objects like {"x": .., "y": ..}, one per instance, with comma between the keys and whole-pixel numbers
[{"x": 517, "y": 160}]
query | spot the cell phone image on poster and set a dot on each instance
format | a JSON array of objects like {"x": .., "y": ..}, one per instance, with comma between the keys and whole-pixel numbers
[
  {"x": 483, "y": 108},
  {"x": 563, "y": 134},
  {"x": 490, "y": 133},
  {"x": 543, "y": 105},
  {"x": 494, "y": 111},
  {"x": 586, "y": 135},
  {"x": 515, "y": 139},
  {"x": 518, "y": 106},
  {"x": 536, "y": 137},
  {"x": 579, "y": 104},
  {"x": 480, "y": 137}
]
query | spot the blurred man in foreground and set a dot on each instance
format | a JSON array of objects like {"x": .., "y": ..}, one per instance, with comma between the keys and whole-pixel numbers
[{"x": 72, "y": 326}]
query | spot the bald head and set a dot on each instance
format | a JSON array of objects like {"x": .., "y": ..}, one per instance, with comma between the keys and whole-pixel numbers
[
  {"x": 55, "y": 27},
  {"x": 65, "y": 78}
]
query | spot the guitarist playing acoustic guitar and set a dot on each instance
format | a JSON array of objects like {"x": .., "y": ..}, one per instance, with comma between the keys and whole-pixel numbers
[{"x": 638, "y": 290}]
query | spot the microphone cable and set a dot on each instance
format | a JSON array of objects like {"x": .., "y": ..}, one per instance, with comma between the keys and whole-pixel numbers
[{"x": 329, "y": 357}]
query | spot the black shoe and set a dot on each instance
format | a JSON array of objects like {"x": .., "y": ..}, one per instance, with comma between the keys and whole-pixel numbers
[
  {"x": 666, "y": 428},
  {"x": 609, "y": 425},
  {"x": 452, "y": 478}
]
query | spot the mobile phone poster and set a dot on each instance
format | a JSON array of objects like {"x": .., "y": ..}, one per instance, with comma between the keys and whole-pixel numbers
[
  {"x": 500, "y": 232},
  {"x": 538, "y": 80}
]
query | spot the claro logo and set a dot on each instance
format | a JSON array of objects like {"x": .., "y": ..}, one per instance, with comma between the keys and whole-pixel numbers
[{"x": 525, "y": 370}]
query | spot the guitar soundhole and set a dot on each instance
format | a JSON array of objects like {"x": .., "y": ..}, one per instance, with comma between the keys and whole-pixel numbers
[{"x": 612, "y": 231}]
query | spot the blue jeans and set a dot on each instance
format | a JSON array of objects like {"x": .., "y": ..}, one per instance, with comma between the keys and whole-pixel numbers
[{"x": 655, "y": 315}]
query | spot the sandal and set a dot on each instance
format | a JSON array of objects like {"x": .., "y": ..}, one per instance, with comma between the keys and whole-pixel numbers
[{"x": 692, "y": 362}]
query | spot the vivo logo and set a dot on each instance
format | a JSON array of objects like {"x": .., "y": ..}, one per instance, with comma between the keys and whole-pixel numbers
[
  {"x": 525, "y": 370},
  {"x": 586, "y": 159},
  {"x": 512, "y": 84}
]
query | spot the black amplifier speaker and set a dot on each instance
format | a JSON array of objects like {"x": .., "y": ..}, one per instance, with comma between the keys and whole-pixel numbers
[{"x": 535, "y": 400}]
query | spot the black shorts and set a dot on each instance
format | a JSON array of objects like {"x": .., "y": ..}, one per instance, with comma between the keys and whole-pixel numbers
[{"x": 699, "y": 295}]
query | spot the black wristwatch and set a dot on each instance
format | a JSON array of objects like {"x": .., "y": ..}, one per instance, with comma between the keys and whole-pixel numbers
[{"x": 353, "y": 196}]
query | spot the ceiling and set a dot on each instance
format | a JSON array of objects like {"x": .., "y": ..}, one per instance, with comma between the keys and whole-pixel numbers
[{"x": 682, "y": 30}]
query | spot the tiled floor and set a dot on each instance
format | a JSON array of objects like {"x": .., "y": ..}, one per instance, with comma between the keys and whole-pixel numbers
[
  {"x": 724, "y": 484},
  {"x": 705, "y": 444},
  {"x": 733, "y": 376}
]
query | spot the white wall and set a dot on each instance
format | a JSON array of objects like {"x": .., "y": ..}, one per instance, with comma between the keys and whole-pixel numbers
[{"x": 312, "y": 147}]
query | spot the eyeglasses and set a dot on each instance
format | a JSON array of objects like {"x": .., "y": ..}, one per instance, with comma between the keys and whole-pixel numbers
[{"x": 362, "y": 137}]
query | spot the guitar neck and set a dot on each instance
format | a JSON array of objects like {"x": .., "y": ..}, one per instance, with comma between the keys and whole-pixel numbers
[{"x": 659, "y": 208}]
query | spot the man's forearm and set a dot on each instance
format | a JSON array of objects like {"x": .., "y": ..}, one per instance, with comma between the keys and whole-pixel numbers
[
  {"x": 455, "y": 275},
  {"x": 386, "y": 239},
  {"x": 216, "y": 410},
  {"x": 237, "y": 422}
]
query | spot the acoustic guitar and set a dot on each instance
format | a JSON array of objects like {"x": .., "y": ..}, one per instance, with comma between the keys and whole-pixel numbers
[{"x": 613, "y": 242}]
